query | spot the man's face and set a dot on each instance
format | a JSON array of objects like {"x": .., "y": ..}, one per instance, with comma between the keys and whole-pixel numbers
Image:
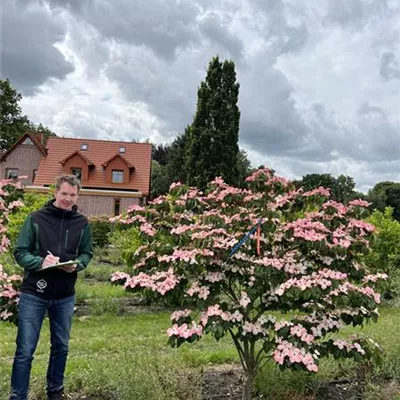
[{"x": 66, "y": 196}]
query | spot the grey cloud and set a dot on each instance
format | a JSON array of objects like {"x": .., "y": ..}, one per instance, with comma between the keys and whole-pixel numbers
[
  {"x": 355, "y": 14},
  {"x": 213, "y": 28},
  {"x": 379, "y": 137},
  {"x": 73, "y": 5},
  {"x": 270, "y": 122},
  {"x": 389, "y": 66},
  {"x": 29, "y": 57},
  {"x": 162, "y": 26},
  {"x": 270, "y": 20},
  {"x": 321, "y": 137},
  {"x": 271, "y": 139},
  {"x": 372, "y": 135},
  {"x": 168, "y": 89},
  {"x": 367, "y": 109}
]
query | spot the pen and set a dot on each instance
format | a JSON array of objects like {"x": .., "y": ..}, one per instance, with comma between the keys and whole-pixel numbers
[{"x": 49, "y": 252}]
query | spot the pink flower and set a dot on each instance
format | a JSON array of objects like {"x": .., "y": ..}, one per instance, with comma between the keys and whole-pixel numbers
[
  {"x": 177, "y": 315},
  {"x": 175, "y": 185},
  {"x": 244, "y": 300},
  {"x": 119, "y": 276},
  {"x": 201, "y": 291},
  {"x": 147, "y": 229},
  {"x": 4, "y": 315},
  {"x": 15, "y": 204},
  {"x": 321, "y": 190},
  {"x": 184, "y": 331},
  {"x": 360, "y": 203}
]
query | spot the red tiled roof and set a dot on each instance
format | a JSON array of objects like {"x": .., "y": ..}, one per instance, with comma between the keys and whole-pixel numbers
[
  {"x": 121, "y": 157},
  {"x": 84, "y": 158},
  {"x": 138, "y": 155},
  {"x": 34, "y": 139}
]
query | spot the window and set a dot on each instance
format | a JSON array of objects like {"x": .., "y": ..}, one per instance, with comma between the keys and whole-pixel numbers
[
  {"x": 77, "y": 172},
  {"x": 84, "y": 146},
  {"x": 12, "y": 173},
  {"x": 122, "y": 149},
  {"x": 28, "y": 141},
  {"x": 34, "y": 174},
  {"x": 117, "y": 206},
  {"x": 117, "y": 176}
]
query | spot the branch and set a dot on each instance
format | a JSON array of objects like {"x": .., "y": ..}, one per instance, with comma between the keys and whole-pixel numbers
[{"x": 239, "y": 349}]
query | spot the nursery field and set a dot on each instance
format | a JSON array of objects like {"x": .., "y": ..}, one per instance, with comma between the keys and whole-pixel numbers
[{"x": 119, "y": 350}]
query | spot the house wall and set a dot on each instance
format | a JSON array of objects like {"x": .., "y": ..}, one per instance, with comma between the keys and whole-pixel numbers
[
  {"x": 118, "y": 164},
  {"x": 24, "y": 157},
  {"x": 77, "y": 162},
  {"x": 104, "y": 205}
]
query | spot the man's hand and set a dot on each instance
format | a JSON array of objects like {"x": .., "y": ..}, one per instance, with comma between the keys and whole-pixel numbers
[
  {"x": 50, "y": 260},
  {"x": 68, "y": 268}
]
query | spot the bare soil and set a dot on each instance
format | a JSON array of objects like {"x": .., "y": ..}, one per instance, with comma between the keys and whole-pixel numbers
[{"x": 222, "y": 382}]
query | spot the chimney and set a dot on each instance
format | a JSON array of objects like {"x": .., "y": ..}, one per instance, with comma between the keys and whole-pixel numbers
[{"x": 40, "y": 137}]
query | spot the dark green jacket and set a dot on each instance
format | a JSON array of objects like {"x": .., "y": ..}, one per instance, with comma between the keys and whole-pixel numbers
[{"x": 66, "y": 234}]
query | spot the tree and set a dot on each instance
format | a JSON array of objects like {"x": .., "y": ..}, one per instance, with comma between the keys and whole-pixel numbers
[
  {"x": 213, "y": 146},
  {"x": 159, "y": 180},
  {"x": 386, "y": 194},
  {"x": 160, "y": 153},
  {"x": 313, "y": 181},
  {"x": 342, "y": 187},
  {"x": 393, "y": 200},
  {"x": 244, "y": 167},
  {"x": 280, "y": 298},
  {"x": 377, "y": 195},
  {"x": 13, "y": 123},
  {"x": 343, "y": 190},
  {"x": 43, "y": 130},
  {"x": 176, "y": 171}
]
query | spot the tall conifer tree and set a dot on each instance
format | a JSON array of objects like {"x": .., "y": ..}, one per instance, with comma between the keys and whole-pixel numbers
[{"x": 213, "y": 145}]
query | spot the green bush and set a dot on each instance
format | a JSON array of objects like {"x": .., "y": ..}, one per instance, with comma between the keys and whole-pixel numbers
[
  {"x": 123, "y": 240},
  {"x": 100, "y": 253},
  {"x": 101, "y": 227},
  {"x": 32, "y": 202},
  {"x": 10, "y": 266},
  {"x": 385, "y": 248}
]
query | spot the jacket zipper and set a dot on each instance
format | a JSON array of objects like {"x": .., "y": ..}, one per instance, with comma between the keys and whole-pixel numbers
[
  {"x": 66, "y": 239},
  {"x": 60, "y": 239}
]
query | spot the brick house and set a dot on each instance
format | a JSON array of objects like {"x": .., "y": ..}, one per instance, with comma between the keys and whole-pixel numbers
[
  {"x": 114, "y": 175},
  {"x": 23, "y": 158}
]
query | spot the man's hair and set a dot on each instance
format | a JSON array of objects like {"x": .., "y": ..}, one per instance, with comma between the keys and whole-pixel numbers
[{"x": 70, "y": 179}]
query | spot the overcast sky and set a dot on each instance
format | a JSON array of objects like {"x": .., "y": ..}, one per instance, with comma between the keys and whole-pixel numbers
[{"x": 319, "y": 79}]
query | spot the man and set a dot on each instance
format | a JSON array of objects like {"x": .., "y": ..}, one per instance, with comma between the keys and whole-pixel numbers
[{"x": 55, "y": 234}]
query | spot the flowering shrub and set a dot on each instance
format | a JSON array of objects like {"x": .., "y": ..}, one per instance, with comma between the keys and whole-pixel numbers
[
  {"x": 9, "y": 296},
  {"x": 303, "y": 255},
  {"x": 10, "y": 193}
]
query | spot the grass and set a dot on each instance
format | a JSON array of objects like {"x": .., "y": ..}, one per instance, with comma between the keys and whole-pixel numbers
[
  {"x": 122, "y": 358},
  {"x": 275, "y": 384},
  {"x": 100, "y": 271},
  {"x": 116, "y": 356}
]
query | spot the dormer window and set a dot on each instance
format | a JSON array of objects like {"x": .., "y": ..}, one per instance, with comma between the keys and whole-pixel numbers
[
  {"x": 122, "y": 149},
  {"x": 84, "y": 146},
  {"x": 77, "y": 172},
  {"x": 117, "y": 176}
]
